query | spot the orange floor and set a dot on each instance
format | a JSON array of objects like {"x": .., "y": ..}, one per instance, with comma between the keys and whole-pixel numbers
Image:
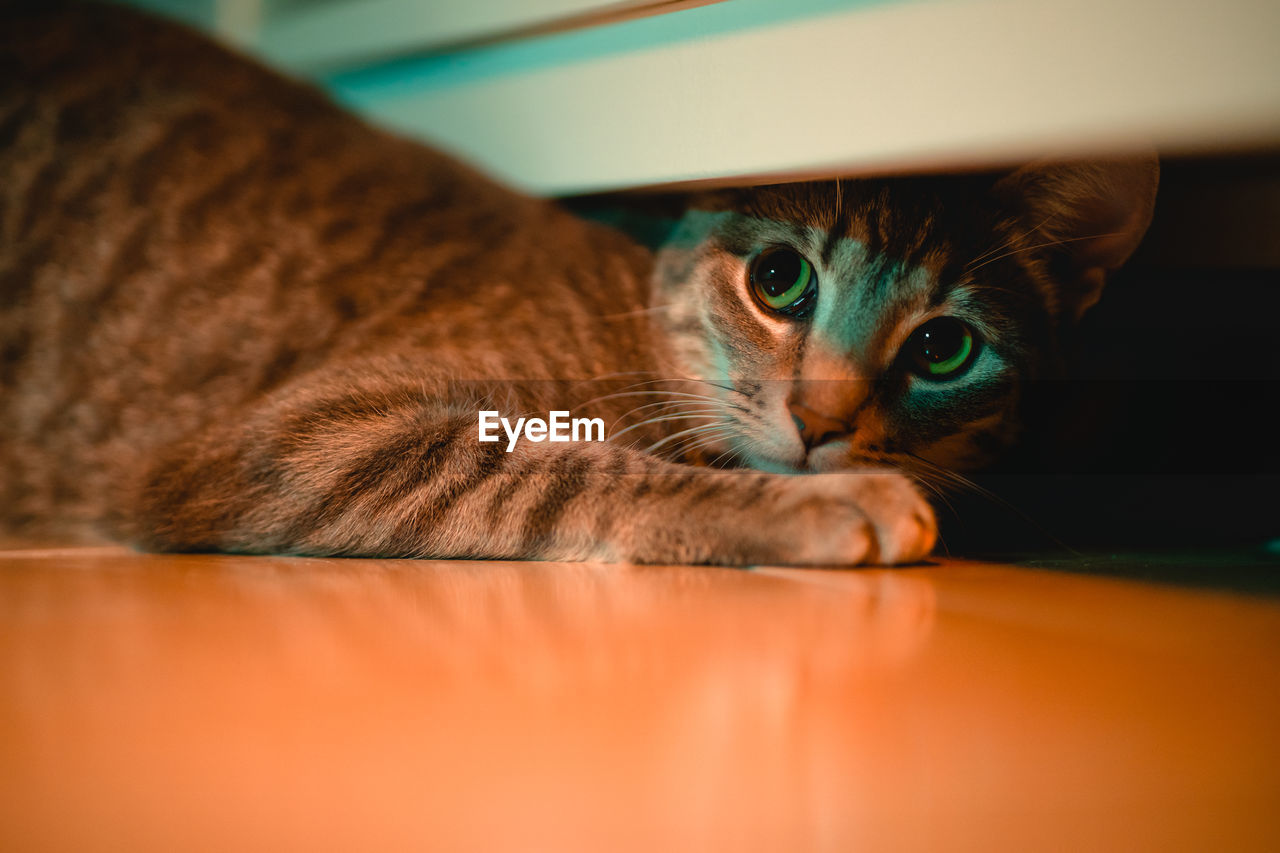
[{"x": 222, "y": 703}]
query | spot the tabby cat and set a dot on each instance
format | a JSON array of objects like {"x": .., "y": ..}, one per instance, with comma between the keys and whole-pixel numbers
[{"x": 235, "y": 318}]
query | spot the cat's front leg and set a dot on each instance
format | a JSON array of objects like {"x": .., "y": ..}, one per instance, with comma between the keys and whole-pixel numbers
[{"x": 401, "y": 478}]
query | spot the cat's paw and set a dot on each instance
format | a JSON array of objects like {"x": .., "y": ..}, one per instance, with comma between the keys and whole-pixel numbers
[{"x": 869, "y": 517}]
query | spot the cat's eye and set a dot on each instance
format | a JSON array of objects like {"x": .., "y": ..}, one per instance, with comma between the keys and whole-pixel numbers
[
  {"x": 942, "y": 348},
  {"x": 784, "y": 282}
]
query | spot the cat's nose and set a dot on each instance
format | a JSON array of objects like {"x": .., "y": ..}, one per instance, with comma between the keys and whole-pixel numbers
[{"x": 815, "y": 427}]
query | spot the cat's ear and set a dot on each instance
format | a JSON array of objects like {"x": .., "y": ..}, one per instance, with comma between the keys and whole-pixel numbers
[{"x": 1088, "y": 215}]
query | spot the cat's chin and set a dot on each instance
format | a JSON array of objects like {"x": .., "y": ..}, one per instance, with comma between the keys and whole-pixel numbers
[
  {"x": 820, "y": 460},
  {"x": 833, "y": 456},
  {"x": 774, "y": 465}
]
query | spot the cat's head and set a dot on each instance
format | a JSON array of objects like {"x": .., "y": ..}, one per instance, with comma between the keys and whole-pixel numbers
[{"x": 841, "y": 323}]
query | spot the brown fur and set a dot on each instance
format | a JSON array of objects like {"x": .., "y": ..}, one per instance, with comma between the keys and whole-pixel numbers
[{"x": 235, "y": 318}]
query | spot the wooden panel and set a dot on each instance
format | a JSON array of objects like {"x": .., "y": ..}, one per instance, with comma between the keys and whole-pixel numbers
[
  {"x": 734, "y": 90},
  {"x": 226, "y": 703},
  {"x": 570, "y": 96},
  {"x": 346, "y": 32}
]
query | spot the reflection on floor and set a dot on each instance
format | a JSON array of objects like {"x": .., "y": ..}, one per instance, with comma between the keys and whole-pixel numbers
[{"x": 233, "y": 703}]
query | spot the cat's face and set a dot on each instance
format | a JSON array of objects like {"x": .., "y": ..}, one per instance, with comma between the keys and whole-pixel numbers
[{"x": 887, "y": 322}]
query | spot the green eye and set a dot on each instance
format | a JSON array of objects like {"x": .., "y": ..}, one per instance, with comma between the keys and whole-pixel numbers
[
  {"x": 784, "y": 282},
  {"x": 942, "y": 348}
]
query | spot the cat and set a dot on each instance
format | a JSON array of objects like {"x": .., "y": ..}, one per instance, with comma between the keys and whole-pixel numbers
[{"x": 236, "y": 318}]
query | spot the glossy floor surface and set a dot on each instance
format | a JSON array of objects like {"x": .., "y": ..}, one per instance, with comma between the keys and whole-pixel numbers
[{"x": 223, "y": 703}]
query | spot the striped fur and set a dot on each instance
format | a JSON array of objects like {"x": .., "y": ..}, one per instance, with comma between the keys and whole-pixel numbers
[{"x": 234, "y": 318}]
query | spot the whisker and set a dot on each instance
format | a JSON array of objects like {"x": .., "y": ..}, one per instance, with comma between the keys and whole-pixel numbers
[
  {"x": 728, "y": 388},
  {"x": 739, "y": 454},
  {"x": 676, "y": 453},
  {"x": 1044, "y": 246},
  {"x": 620, "y": 394},
  {"x": 933, "y": 488},
  {"x": 702, "y": 441},
  {"x": 661, "y": 419},
  {"x": 923, "y": 480},
  {"x": 733, "y": 453},
  {"x": 1008, "y": 242},
  {"x": 711, "y": 438},
  {"x": 665, "y": 405},
  {"x": 961, "y": 482},
  {"x": 686, "y": 379},
  {"x": 677, "y": 435}
]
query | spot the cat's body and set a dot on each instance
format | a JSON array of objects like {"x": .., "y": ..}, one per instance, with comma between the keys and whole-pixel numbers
[{"x": 234, "y": 318}]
